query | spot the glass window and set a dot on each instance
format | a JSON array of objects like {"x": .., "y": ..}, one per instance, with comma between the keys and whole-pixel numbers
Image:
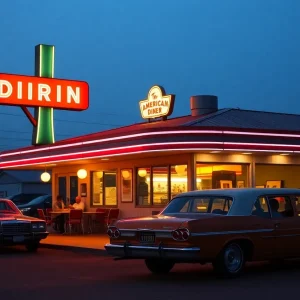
[
  {"x": 160, "y": 185},
  {"x": 126, "y": 185},
  {"x": 280, "y": 206},
  {"x": 178, "y": 179},
  {"x": 143, "y": 186},
  {"x": 157, "y": 185},
  {"x": 260, "y": 208},
  {"x": 283, "y": 176},
  {"x": 297, "y": 204},
  {"x": 215, "y": 205},
  {"x": 62, "y": 187},
  {"x": 104, "y": 188},
  {"x": 73, "y": 188},
  {"x": 5, "y": 207},
  {"x": 216, "y": 176}
]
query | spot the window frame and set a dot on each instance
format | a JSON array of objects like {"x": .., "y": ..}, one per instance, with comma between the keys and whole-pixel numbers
[
  {"x": 103, "y": 189},
  {"x": 291, "y": 198},
  {"x": 192, "y": 198},
  {"x": 168, "y": 166}
]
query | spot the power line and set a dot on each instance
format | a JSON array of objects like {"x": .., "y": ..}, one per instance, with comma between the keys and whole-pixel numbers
[
  {"x": 26, "y": 132},
  {"x": 68, "y": 121}
]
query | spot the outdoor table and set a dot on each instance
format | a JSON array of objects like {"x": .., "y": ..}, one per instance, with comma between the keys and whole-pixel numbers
[
  {"x": 65, "y": 211},
  {"x": 88, "y": 214}
]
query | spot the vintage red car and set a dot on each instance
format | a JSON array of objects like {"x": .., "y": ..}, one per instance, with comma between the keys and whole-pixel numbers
[
  {"x": 17, "y": 229},
  {"x": 225, "y": 227}
]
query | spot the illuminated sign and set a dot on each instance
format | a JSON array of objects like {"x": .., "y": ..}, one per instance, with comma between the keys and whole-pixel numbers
[
  {"x": 43, "y": 92},
  {"x": 158, "y": 104}
]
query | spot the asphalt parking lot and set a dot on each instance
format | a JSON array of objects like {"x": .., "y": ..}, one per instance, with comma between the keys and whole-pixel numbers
[{"x": 57, "y": 274}]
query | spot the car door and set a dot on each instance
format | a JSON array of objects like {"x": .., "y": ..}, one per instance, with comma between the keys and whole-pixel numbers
[
  {"x": 262, "y": 226},
  {"x": 286, "y": 225}
]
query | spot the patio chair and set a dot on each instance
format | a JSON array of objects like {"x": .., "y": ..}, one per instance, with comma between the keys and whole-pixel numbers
[
  {"x": 75, "y": 219},
  {"x": 112, "y": 216},
  {"x": 101, "y": 218}
]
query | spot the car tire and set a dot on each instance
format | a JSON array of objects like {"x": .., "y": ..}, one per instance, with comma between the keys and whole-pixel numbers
[
  {"x": 32, "y": 246},
  {"x": 230, "y": 262},
  {"x": 159, "y": 266}
]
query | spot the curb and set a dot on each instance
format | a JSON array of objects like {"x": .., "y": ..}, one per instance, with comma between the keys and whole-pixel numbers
[{"x": 76, "y": 249}]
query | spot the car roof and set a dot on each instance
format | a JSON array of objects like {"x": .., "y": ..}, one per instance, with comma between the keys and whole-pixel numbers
[
  {"x": 244, "y": 198},
  {"x": 241, "y": 191}
]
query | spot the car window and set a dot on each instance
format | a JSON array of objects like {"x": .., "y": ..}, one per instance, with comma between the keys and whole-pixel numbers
[
  {"x": 215, "y": 205},
  {"x": 296, "y": 198},
  {"x": 38, "y": 200},
  {"x": 23, "y": 198},
  {"x": 280, "y": 206},
  {"x": 260, "y": 208},
  {"x": 5, "y": 207}
]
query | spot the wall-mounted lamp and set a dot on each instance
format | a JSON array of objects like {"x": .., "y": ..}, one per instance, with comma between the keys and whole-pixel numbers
[{"x": 82, "y": 173}]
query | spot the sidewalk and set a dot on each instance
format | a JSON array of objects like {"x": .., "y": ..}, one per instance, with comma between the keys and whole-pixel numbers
[{"x": 77, "y": 242}]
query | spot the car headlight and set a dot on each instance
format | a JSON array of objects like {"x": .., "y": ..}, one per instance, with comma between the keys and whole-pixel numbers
[
  {"x": 25, "y": 209},
  {"x": 38, "y": 226}
]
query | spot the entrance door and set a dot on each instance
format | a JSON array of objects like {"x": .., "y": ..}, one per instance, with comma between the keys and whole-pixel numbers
[
  {"x": 62, "y": 187},
  {"x": 67, "y": 187},
  {"x": 73, "y": 188}
]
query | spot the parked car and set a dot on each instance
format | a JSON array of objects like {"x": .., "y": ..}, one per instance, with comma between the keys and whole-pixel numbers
[
  {"x": 17, "y": 229},
  {"x": 24, "y": 198},
  {"x": 30, "y": 208},
  {"x": 225, "y": 227}
]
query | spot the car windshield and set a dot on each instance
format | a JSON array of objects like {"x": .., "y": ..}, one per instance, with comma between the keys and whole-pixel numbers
[
  {"x": 196, "y": 204},
  {"x": 8, "y": 208},
  {"x": 38, "y": 200},
  {"x": 20, "y": 199}
]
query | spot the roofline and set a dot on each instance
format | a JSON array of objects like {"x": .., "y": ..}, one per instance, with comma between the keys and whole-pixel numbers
[
  {"x": 208, "y": 116},
  {"x": 239, "y": 131}
]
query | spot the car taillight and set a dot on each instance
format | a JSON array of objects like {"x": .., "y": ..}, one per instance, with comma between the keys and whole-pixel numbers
[
  {"x": 181, "y": 234},
  {"x": 113, "y": 232}
]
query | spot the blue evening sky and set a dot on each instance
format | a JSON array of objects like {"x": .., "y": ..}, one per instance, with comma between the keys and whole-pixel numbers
[{"x": 244, "y": 51}]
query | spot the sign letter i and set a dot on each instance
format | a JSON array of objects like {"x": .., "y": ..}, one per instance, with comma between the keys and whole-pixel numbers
[{"x": 43, "y": 133}]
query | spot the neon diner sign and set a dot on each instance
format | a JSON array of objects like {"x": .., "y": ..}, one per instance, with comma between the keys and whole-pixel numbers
[{"x": 157, "y": 104}]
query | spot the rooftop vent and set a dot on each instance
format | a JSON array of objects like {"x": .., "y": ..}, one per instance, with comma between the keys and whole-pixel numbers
[{"x": 203, "y": 104}]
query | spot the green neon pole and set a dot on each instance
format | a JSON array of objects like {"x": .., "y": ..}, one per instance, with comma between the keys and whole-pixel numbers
[{"x": 43, "y": 133}]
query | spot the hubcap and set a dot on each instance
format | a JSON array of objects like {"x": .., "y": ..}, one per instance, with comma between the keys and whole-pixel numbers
[{"x": 233, "y": 258}]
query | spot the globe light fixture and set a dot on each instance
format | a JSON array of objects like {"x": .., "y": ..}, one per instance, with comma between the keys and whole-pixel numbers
[
  {"x": 99, "y": 174},
  {"x": 180, "y": 170},
  {"x": 45, "y": 177},
  {"x": 142, "y": 172},
  {"x": 82, "y": 174}
]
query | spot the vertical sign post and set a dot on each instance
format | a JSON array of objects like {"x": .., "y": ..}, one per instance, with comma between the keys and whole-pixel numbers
[{"x": 43, "y": 132}]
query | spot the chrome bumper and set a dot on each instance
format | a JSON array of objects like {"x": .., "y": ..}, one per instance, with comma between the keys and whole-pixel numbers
[
  {"x": 129, "y": 251},
  {"x": 8, "y": 239}
]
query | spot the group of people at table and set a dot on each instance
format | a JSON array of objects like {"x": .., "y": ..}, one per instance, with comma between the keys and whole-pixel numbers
[{"x": 60, "y": 218}]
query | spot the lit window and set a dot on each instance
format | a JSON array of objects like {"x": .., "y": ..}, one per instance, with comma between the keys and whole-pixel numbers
[{"x": 104, "y": 188}]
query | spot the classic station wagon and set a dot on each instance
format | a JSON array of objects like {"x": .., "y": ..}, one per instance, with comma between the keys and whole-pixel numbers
[
  {"x": 17, "y": 229},
  {"x": 225, "y": 227}
]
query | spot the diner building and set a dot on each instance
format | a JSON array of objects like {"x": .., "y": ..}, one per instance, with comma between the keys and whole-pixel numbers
[{"x": 140, "y": 167}]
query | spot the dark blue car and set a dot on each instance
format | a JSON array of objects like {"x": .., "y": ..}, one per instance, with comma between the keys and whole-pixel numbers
[{"x": 30, "y": 208}]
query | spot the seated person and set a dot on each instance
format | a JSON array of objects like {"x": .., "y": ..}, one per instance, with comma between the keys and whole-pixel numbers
[
  {"x": 59, "y": 219},
  {"x": 258, "y": 210},
  {"x": 59, "y": 204},
  {"x": 274, "y": 205},
  {"x": 79, "y": 204}
]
